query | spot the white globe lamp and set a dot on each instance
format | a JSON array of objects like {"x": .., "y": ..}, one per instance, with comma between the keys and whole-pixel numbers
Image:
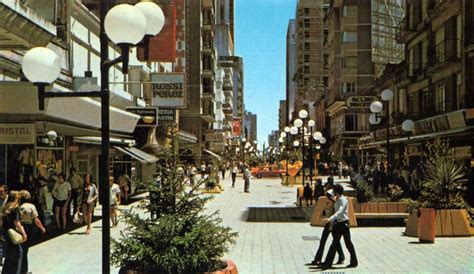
[
  {"x": 294, "y": 130},
  {"x": 374, "y": 119},
  {"x": 41, "y": 65},
  {"x": 323, "y": 140},
  {"x": 303, "y": 114},
  {"x": 155, "y": 19},
  {"x": 298, "y": 122},
  {"x": 317, "y": 136},
  {"x": 311, "y": 123},
  {"x": 125, "y": 24},
  {"x": 296, "y": 143},
  {"x": 376, "y": 107},
  {"x": 283, "y": 135},
  {"x": 408, "y": 125},
  {"x": 287, "y": 129},
  {"x": 387, "y": 95}
]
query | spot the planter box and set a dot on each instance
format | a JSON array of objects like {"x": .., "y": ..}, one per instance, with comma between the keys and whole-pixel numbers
[
  {"x": 381, "y": 207},
  {"x": 230, "y": 269},
  {"x": 216, "y": 189},
  {"x": 449, "y": 223}
]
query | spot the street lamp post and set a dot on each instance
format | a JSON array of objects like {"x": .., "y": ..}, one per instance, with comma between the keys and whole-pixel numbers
[
  {"x": 287, "y": 132},
  {"x": 376, "y": 107},
  {"x": 311, "y": 125},
  {"x": 126, "y": 26}
]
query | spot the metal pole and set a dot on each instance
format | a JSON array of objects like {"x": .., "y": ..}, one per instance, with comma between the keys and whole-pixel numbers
[
  {"x": 302, "y": 152},
  {"x": 388, "y": 140},
  {"x": 104, "y": 159},
  {"x": 311, "y": 157},
  {"x": 286, "y": 152}
]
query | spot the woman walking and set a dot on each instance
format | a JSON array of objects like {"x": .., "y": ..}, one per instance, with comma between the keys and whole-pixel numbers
[
  {"x": 28, "y": 216},
  {"x": 61, "y": 194},
  {"x": 11, "y": 220},
  {"x": 235, "y": 170},
  {"x": 89, "y": 197}
]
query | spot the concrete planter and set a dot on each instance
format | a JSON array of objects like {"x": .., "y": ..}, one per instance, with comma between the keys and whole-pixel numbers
[
  {"x": 449, "y": 223},
  {"x": 230, "y": 269},
  {"x": 317, "y": 217},
  {"x": 380, "y": 207},
  {"x": 216, "y": 189}
]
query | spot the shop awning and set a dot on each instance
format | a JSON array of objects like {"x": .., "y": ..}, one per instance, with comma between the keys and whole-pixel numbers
[
  {"x": 186, "y": 137},
  {"x": 94, "y": 140},
  {"x": 212, "y": 154},
  {"x": 135, "y": 153}
]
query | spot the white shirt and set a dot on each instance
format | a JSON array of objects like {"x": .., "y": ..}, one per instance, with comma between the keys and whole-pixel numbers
[
  {"x": 114, "y": 191},
  {"x": 235, "y": 170},
  {"x": 28, "y": 213},
  {"x": 61, "y": 191},
  {"x": 342, "y": 210}
]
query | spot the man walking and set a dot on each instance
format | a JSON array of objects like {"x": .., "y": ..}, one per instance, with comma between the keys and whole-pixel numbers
[
  {"x": 341, "y": 228},
  {"x": 246, "y": 178}
]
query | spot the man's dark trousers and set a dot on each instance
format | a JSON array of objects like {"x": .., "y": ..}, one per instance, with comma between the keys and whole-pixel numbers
[
  {"x": 322, "y": 243},
  {"x": 341, "y": 229}
]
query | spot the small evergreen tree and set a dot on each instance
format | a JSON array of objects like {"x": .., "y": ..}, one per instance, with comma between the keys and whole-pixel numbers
[
  {"x": 178, "y": 237},
  {"x": 444, "y": 180}
]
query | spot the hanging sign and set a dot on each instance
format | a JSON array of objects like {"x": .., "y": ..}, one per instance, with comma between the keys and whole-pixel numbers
[
  {"x": 17, "y": 133},
  {"x": 168, "y": 90},
  {"x": 358, "y": 101}
]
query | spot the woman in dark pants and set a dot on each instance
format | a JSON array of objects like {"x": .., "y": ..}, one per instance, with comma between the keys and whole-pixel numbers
[
  {"x": 11, "y": 220},
  {"x": 328, "y": 211}
]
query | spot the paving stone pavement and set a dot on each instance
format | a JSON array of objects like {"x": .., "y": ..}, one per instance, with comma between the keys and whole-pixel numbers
[{"x": 272, "y": 243}]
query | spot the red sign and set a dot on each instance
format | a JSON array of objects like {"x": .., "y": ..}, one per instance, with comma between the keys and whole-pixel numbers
[
  {"x": 236, "y": 127},
  {"x": 162, "y": 47}
]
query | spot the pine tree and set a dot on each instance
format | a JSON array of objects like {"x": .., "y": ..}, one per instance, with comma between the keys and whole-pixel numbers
[{"x": 177, "y": 237}]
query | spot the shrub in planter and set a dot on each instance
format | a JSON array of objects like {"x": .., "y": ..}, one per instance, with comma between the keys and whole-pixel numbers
[
  {"x": 395, "y": 192},
  {"x": 178, "y": 237},
  {"x": 210, "y": 182},
  {"x": 365, "y": 192}
]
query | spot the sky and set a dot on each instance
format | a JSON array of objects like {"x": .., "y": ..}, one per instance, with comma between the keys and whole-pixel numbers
[{"x": 260, "y": 38}]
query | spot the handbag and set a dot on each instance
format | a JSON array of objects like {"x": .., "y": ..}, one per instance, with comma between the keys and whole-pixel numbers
[
  {"x": 15, "y": 236},
  {"x": 77, "y": 219}
]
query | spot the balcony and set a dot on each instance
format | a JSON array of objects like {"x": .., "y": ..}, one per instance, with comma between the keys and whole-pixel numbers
[
  {"x": 403, "y": 30},
  {"x": 24, "y": 27},
  {"x": 445, "y": 52}
]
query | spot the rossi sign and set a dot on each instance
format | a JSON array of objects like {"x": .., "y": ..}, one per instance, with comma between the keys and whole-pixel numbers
[{"x": 168, "y": 90}]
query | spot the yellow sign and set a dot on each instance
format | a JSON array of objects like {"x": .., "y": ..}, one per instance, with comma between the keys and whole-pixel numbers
[{"x": 17, "y": 133}]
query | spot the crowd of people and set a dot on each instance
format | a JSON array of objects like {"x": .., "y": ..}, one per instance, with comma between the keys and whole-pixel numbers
[{"x": 24, "y": 211}]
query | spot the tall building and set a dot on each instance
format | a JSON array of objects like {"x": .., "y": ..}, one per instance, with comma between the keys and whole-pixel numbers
[
  {"x": 351, "y": 72},
  {"x": 291, "y": 69},
  {"x": 250, "y": 126},
  {"x": 309, "y": 52},
  {"x": 199, "y": 115},
  {"x": 433, "y": 86},
  {"x": 282, "y": 116}
]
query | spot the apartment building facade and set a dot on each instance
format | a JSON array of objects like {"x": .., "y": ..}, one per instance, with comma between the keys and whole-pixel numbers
[{"x": 433, "y": 86}]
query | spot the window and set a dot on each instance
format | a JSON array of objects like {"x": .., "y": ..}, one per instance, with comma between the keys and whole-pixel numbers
[
  {"x": 349, "y": 11},
  {"x": 306, "y": 58},
  {"x": 348, "y": 87},
  {"x": 349, "y": 62},
  {"x": 306, "y": 11},
  {"x": 351, "y": 122},
  {"x": 306, "y": 46},
  {"x": 306, "y": 34},
  {"x": 427, "y": 100},
  {"x": 440, "y": 100},
  {"x": 349, "y": 37},
  {"x": 306, "y": 23}
]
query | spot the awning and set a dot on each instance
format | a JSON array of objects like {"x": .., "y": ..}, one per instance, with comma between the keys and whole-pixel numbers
[
  {"x": 212, "y": 154},
  {"x": 135, "y": 153},
  {"x": 186, "y": 137},
  {"x": 422, "y": 137},
  {"x": 94, "y": 140}
]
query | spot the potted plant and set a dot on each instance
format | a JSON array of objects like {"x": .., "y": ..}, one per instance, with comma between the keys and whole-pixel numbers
[
  {"x": 442, "y": 190},
  {"x": 177, "y": 236}
]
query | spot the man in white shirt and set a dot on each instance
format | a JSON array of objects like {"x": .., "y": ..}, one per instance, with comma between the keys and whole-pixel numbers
[
  {"x": 114, "y": 201},
  {"x": 246, "y": 179},
  {"x": 341, "y": 228}
]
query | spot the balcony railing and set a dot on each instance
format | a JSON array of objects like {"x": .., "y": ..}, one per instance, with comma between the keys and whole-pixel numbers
[
  {"x": 445, "y": 51},
  {"x": 436, "y": 7}
]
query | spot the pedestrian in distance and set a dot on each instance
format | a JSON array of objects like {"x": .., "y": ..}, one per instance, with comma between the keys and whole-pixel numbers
[
  {"x": 28, "y": 216},
  {"x": 76, "y": 182},
  {"x": 341, "y": 229},
  {"x": 235, "y": 170},
  {"x": 192, "y": 175},
  {"x": 246, "y": 178},
  {"x": 308, "y": 194},
  {"x": 11, "y": 220},
  {"x": 89, "y": 197},
  {"x": 61, "y": 194},
  {"x": 203, "y": 170},
  {"x": 328, "y": 228},
  {"x": 114, "y": 201}
]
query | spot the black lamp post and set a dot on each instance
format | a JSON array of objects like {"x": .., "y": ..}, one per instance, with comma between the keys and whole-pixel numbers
[
  {"x": 311, "y": 125},
  {"x": 126, "y": 26}
]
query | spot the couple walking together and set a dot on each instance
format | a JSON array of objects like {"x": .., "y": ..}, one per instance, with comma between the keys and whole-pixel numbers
[{"x": 336, "y": 222}]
